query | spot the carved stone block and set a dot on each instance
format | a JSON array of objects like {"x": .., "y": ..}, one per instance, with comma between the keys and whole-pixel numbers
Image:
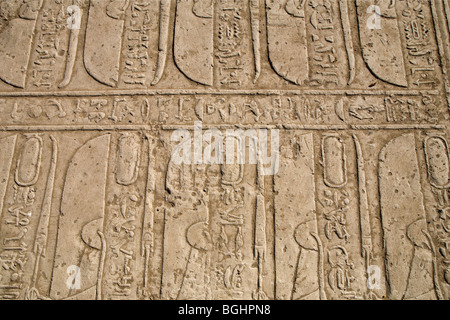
[{"x": 232, "y": 149}]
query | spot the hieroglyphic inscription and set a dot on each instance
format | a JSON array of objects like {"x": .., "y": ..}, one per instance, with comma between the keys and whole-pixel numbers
[
  {"x": 137, "y": 60},
  {"x": 224, "y": 149}
]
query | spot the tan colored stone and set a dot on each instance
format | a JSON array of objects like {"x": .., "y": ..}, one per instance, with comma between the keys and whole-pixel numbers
[{"x": 349, "y": 198}]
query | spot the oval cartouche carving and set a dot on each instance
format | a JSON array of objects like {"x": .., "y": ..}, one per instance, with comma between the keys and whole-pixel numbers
[
  {"x": 334, "y": 164},
  {"x": 128, "y": 159},
  {"x": 27, "y": 172},
  {"x": 437, "y": 157}
]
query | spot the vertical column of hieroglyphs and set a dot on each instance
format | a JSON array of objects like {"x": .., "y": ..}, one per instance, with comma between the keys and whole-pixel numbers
[
  {"x": 419, "y": 42},
  {"x": 436, "y": 189},
  {"x": 337, "y": 198},
  {"x": 237, "y": 227},
  {"x": 140, "y": 55},
  {"x": 236, "y": 39},
  {"x": 210, "y": 247},
  {"x": 330, "y": 47},
  {"x": 27, "y": 199},
  {"x": 446, "y": 38},
  {"x": 125, "y": 199},
  {"x": 12, "y": 260},
  {"x": 49, "y": 49}
]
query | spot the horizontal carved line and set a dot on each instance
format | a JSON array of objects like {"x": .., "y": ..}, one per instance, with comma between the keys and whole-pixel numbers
[
  {"x": 221, "y": 92},
  {"x": 13, "y": 128},
  {"x": 398, "y": 127},
  {"x": 76, "y": 128},
  {"x": 312, "y": 127}
]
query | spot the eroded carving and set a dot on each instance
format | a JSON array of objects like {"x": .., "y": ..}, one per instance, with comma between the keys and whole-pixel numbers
[
  {"x": 16, "y": 39},
  {"x": 287, "y": 30},
  {"x": 380, "y": 40},
  {"x": 128, "y": 159},
  {"x": 103, "y": 40},
  {"x": 194, "y": 34},
  {"x": 334, "y": 162},
  {"x": 164, "y": 20},
  {"x": 405, "y": 216},
  {"x": 81, "y": 241},
  {"x": 94, "y": 206},
  {"x": 299, "y": 251},
  {"x": 28, "y": 165}
]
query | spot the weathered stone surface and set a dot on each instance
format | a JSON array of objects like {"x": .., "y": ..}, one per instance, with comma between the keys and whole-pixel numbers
[{"x": 232, "y": 149}]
